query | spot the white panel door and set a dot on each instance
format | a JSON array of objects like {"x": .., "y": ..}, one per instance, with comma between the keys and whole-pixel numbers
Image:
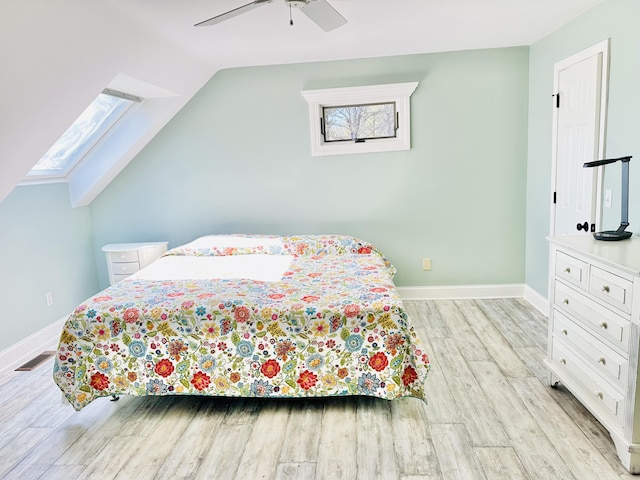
[{"x": 578, "y": 133}]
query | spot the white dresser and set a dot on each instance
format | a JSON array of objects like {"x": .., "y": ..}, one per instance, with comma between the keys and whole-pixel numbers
[
  {"x": 593, "y": 332},
  {"x": 124, "y": 259}
]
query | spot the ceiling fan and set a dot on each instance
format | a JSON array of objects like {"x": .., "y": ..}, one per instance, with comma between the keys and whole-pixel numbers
[{"x": 319, "y": 11}]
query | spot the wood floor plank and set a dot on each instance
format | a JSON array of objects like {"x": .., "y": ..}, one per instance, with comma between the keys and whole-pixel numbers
[
  {"x": 585, "y": 421},
  {"x": 295, "y": 471},
  {"x": 59, "y": 442},
  {"x": 22, "y": 441},
  {"x": 579, "y": 454},
  {"x": 88, "y": 433},
  {"x": 186, "y": 455},
  {"x": 527, "y": 438},
  {"x": 528, "y": 319},
  {"x": 514, "y": 332},
  {"x": 441, "y": 406},
  {"x": 500, "y": 463},
  {"x": 225, "y": 452},
  {"x": 411, "y": 436},
  {"x": 471, "y": 347},
  {"x": 338, "y": 441},
  {"x": 426, "y": 314},
  {"x": 455, "y": 453},
  {"x": 47, "y": 402},
  {"x": 533, "y": 359},
  {"x": 261, "y": 454},
  {"x": 242, "y": 411},
  {"x": 499, "y": 349},
  {"x": 478, "y": 415},
  {"x": 302, "y": 436},
  {"x": 375, "y": 454},
  {"x": 153, "y": 449},
  {"x": 420, "y": 477}
]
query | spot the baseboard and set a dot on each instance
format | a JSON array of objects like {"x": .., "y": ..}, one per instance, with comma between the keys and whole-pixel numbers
[
  {"x": 461, "y": 292},
  {"x": 21, "y": 352},
  {"x": 536, "y": 300}
]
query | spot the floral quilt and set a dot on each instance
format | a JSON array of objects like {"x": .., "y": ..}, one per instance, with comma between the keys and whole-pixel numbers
[{"x": 332, "y": 325}]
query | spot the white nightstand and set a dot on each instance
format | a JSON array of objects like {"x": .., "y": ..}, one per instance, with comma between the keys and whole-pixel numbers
[{"x": 124, "y": 259}]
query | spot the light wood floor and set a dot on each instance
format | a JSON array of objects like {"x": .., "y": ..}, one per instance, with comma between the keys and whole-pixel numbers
[{"x": 490, "y": 416}]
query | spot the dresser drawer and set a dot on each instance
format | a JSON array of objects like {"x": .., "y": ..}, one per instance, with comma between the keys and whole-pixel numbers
[
  {"x": 571, "y": 270},
  {"x": 606, "y": 325},
  {"x": 124, "y": 256},
  {"x": 595, "y": 390},
  {"x": 614, "y": 290},
  {"x": 597, "y": 355}
]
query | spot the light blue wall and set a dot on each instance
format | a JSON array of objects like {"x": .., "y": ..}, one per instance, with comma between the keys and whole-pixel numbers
[
  {"x": 45, "y": 246},
  {"x": 237, "y": 159},
  {"x": 615, "y": 19}
]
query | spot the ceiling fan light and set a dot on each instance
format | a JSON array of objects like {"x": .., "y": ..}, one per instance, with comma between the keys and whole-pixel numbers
[{"x": 297, "y": 3}]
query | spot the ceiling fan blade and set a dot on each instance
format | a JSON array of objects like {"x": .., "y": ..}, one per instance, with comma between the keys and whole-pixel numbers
[
  {"x": 324, "y": 15},
  {"x": 232, "y": 13}
]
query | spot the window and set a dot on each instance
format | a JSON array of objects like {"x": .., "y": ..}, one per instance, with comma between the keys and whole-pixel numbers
[
  {"x": 359, "y": 122},
  {"x": 88, "y": 129},
  {"x": 374, "y": 118}
]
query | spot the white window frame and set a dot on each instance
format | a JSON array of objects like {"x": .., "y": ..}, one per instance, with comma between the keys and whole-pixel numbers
[
  {"x": 57, "y": 175},
  {"x": 398, "y": 93}
]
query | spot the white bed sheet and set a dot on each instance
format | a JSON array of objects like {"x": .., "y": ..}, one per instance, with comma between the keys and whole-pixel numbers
[{"x": 260, "y": 267}]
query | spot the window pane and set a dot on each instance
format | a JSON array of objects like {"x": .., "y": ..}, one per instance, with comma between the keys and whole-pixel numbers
[
  {"x": 351, "y": 122},
  {"x": 83, "y": 134}
]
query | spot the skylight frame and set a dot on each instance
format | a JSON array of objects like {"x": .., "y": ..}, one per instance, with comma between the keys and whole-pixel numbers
[{"x": 81, "y": 149}]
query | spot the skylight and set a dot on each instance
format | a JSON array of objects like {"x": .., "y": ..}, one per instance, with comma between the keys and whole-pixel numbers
[{"x": 91, "y": 126}]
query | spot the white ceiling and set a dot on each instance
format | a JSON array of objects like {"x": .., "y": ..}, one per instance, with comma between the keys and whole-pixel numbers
[{"x": 375, "y": 27}]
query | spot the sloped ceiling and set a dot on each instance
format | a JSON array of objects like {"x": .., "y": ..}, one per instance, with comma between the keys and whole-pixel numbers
[{"x": 58, "y": 55}]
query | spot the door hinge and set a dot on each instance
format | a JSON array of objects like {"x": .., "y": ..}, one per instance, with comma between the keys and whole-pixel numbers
[
  {"x": 557, "y": 95},
  {"x": 554, "y": 197}
]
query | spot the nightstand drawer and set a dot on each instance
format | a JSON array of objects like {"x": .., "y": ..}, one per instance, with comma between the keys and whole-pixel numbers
[
  {"x": 598, "y": 393},
  {"x": 572, "y": 270},
  {"x": 125, "y": 268},
  {"x": 124, "y": 256},
  {"x": 598, "y": 356},
  {"x": 614, "y": 290},
  {"x": 613, "y": 329}
]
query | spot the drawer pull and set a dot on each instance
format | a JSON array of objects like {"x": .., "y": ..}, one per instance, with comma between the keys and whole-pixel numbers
[
  {"x": 563, "y": 361},
  {"x": 602, "y": 360},
  {"x": 604, "y": 325},
  {"x": 599, "y": 395},
  {"x": 565, "y": 301},
  {"x": 605, "y": 288},
  {"x": 565, "y": 332},
  {"x": 567, "y": 270}
]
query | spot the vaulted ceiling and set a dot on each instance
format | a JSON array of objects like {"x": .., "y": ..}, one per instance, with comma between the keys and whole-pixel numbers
[{"x": 58, "y": 55}]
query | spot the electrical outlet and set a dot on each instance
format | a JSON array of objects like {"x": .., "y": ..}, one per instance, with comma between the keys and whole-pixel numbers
[
  {"x": 49, "y": 297},
  {"x": 426, "y": 264}
]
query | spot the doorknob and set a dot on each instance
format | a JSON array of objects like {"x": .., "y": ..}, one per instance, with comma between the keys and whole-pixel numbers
[{"x": 584, "y": 225}]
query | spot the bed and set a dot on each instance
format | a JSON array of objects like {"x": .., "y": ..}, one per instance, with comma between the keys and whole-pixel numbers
[{"x": 246, "y": 316}]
